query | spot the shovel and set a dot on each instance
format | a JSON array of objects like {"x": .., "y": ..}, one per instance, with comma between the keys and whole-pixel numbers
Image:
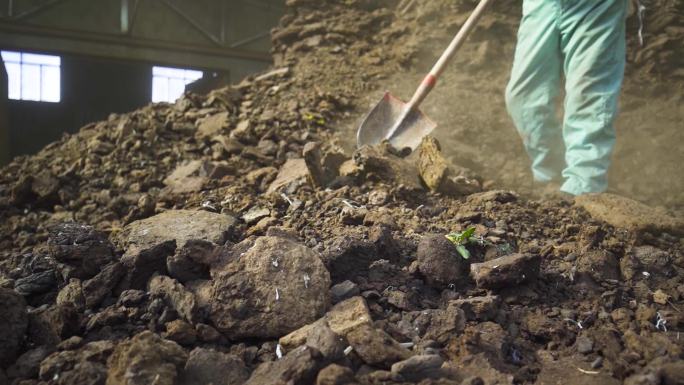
[{"x": 404, "y": 124}]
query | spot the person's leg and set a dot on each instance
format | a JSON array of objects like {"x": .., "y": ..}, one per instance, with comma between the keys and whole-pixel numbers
[
  {"x": 534, "y": 86},
  {"x": 593, "y": 42}
]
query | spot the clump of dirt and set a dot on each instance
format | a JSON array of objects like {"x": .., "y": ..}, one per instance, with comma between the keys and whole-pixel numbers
[{"x": 232, "y": 237}]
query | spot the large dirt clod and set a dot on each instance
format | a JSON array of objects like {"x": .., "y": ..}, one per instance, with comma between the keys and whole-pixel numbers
[
  {"x": 209, "y": 367},
  {"x": 275, "y": 287},
  {"x": 81, "y": 247},
  {"x": 15, "y": 320},
  {"x": 376, "y": 347},
  {"x": 506, "y": 271},
  {"x": 148, "y": 243},
  {"x": 298, "y": 367},
  {"x": 146, "y": 359},
  {"x": 440, "y": 262},
  {"x": 440, "y": 176}
]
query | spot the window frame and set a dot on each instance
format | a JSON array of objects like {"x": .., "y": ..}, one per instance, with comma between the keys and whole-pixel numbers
[
  {"x": 44, "y": 64},
  {"x": 169, "y": 74}
]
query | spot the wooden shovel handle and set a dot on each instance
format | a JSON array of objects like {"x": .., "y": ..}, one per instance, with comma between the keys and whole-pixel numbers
[{"x": 431, "y": 79}]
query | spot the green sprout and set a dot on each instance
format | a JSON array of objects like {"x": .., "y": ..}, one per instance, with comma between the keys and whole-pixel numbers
[{"x": 460, "y": 240}]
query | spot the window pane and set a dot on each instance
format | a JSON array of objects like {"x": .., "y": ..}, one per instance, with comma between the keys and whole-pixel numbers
[
  {"x": 160, "y": 89},
  {"x": 14, "y": 77},
  {"x": 168, "y": 72},
  {"x": 31, "y": 58},
  {"x": 191, "y": 76},
  {"x": 50, "y": 85},
  {"x": 11, "y": 56},
  {"x": 176, "y": 89},
  {"x": 30, "y": 82},
  {"x": 168, "y": 84}
]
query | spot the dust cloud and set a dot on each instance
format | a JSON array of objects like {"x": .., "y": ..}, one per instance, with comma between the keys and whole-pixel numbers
[{"x": 476, "y": 132}]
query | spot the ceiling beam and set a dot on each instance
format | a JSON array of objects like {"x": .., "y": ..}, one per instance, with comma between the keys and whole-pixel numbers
[{"x": 23, "y": 36}]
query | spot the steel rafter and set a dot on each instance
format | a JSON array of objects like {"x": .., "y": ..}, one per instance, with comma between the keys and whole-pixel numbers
[{"x": 193, "y": 23}]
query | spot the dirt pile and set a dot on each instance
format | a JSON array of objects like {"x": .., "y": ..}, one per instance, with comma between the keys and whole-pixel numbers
[{"x": 232, "y": 238}]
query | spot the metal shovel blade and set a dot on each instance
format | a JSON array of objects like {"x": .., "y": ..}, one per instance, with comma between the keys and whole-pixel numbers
[{"x": 389, "y": 120}]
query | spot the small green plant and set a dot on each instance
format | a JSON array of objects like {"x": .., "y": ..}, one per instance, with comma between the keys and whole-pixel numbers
[{"x": 460, "y": 240}]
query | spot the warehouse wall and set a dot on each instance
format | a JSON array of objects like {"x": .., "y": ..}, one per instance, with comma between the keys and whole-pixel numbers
[
  {"x": 4, "y": 134},
  {"x": 91, "y": 90},
  {"x": 107, "y": 53}
]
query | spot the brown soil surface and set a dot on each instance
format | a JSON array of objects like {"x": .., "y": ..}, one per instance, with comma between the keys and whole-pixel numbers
[{"x": 236, "y": 238}]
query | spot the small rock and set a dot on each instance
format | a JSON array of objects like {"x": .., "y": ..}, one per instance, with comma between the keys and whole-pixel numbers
[
  {"x": 352, "y": 216},
  {"x": 207, "y": 333},
  {"x": 497, "y": 196},
  {"x": 298, "y": 337},
  {"x": 312, "y": 158},
  {"x": 418, "y": 368},
  {"x": 378, "y": 197},
  {"x": 255, "y": 214},
  {"x": 132, "y": 298},
  {"x": 660, "y": 297},
  {"x": 190, "y": 261},
  {"x": 186, "y": 178},
  {"x": 80, "y": 246},
  {"x": 293, "y": 171},
  {"x": 473, "y": 381},
  {"x": 72, "y": 295},
  {"x": 399, "y": 299},
  {"x": 36, "y": 283},
  {"x": 175, "y": 295},
  {"x": 146, "y": 359},
  {"x": 297, "y": 367},
  {"x": 341, "y": 319},
  {"x": 212, "y": 125},
  {"x": 440, "y": 176},
  {"x": 479, "y": 308},
  {"x": 97, "y": 288},
  {"x": 209, "y": 367},
  {"x": 181, "y": 332},
  {"x": 346, "y": 255},
  {"x": 439, "y": 325},
  {"x": 584, "y": 345},
  {"x": 348, "y": 315},
  {"x": 597, "y": 363},
  {"x": 74, "y": 364},
  {"x": 673, "y": 373},
  {"x": 506, "y": 271},
  {"x": 28, "y": 364},
  {"x": 71, "y": 343},
  {"x": 45, "y": 186},
  {"x": 344, "y": 290},
  {"x": 379, "y": 162},
  {"x": 375, "y": 347},
  {"x": 600, "y": 265},
  {"x": 350, "y": 169},
  {"x": 323, "y": 339},
  {"x": 334, "y": 374},
  {"x": 229, "y": 145},
  {"x": 440, "y": 262},
  {"x": 49, "y": 326}
]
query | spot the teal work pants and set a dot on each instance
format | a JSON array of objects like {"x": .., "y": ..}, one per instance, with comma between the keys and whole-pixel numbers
[{"x": 584, "y": 40}]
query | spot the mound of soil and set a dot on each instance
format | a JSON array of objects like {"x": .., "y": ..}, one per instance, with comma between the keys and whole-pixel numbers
[{"x": 236, "y": 238}]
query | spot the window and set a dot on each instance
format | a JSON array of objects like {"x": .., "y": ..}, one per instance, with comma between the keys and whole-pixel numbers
[
  {"x": 32, "y": 76},
  {"x": 168, "y": 84}
]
